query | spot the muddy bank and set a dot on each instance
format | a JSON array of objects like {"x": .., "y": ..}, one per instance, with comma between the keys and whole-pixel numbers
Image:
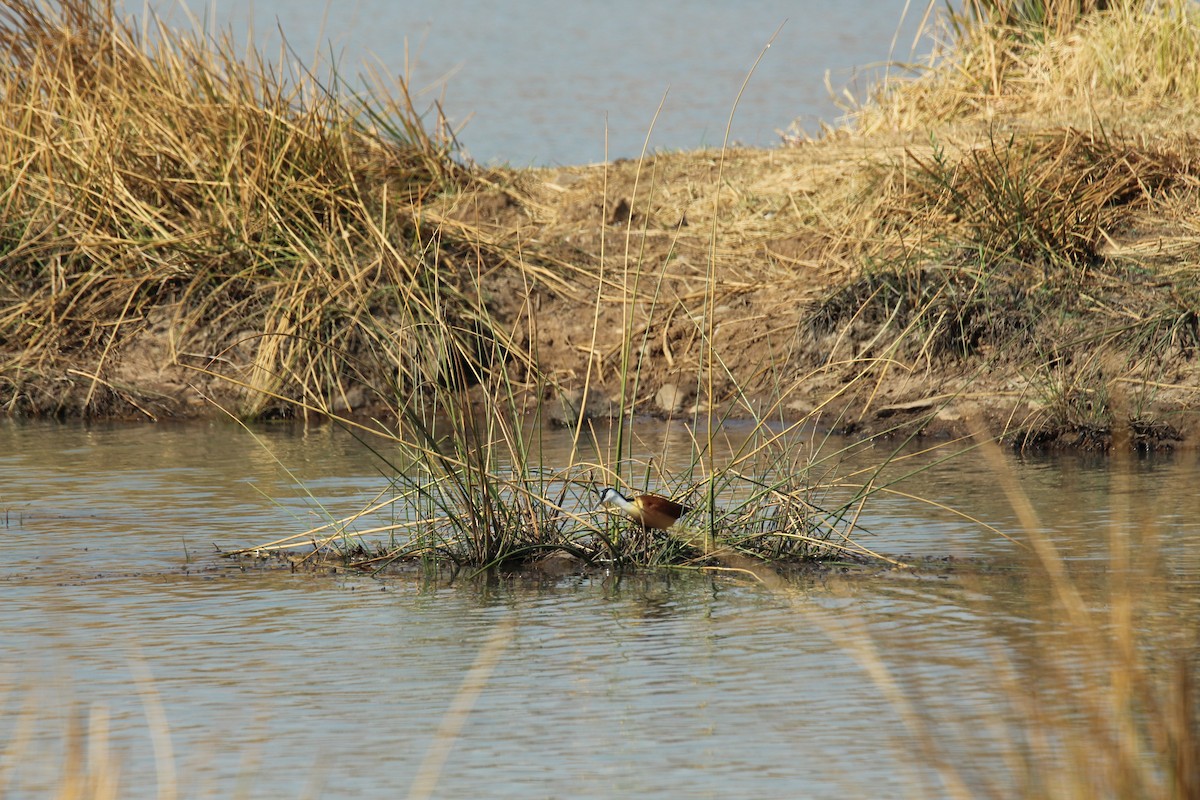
[
  {"x": 698, "y": 265},
  {"x": 981, "y": 243}
]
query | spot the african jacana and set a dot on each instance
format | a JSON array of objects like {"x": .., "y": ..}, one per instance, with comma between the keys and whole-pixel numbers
[{"x": 648, "y": 510}]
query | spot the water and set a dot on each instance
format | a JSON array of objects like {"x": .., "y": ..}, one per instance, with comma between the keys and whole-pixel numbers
[
  {"x": 221, "y": 679},
  {"x": 543, "y": 83}
]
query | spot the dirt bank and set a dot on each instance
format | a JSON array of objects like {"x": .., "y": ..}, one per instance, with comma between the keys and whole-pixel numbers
[
  {"x": 754, "y": 248},
  {"x": 1011, "y": 237},
  {"x": 800, "y": 243}
]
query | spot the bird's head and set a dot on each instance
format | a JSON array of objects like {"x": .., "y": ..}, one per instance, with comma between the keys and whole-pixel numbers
[{"x": 608, "y": 495}]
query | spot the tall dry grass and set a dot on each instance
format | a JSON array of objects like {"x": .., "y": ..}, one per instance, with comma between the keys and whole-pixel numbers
[
  {"x": 266, "y": 218},
  {"x": 476, "y": 487},
  {"x": 1032, "y": 223},
  {"x": 273, "y": 226},
  {"x": 1035, "y": 64},
  {"x": 484, "y": 484}
]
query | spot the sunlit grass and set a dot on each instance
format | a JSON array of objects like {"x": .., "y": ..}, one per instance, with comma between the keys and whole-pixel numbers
[
  {"x": 1037, "y": 64},
  {"x": 267, "y": 217},
  {"x": 475, "y": 487},
  {"x": 1031, "y": 226}
]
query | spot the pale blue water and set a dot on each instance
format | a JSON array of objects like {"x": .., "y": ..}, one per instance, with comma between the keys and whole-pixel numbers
[
  {"x": 542, "y": 83},
  {"x": 271, "y": 684}
]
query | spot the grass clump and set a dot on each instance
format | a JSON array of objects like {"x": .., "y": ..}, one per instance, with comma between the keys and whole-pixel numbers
[
  {"x": 1033, "y": 228},
  {"x": 473, "y": 489},
  {"x": 981, "y": 245},
  {"x": 1060, "y": 62},
  {"x": 1042, "y": 202},
  {"x": 267, "y": 219}
]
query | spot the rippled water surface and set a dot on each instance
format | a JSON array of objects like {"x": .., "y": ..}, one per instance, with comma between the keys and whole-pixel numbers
[{"x": 199, "y": 674}]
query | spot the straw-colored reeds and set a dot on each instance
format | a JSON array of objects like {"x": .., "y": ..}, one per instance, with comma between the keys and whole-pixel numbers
[
  {"x": 1032, "y": 235},
  {"x": 264, "y": 222},
  {"x": 1092, "y": 694}
]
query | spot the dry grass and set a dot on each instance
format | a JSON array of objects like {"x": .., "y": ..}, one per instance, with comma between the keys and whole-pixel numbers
[
  {"x": 476, "y": 489},
  {"x": 317, "y": 250},
  {"x": 976, "y": 247},
  {"x": 268, "y": 222},
  {"x": 1120, "y": 63},
  {"x": 1035, "y": 221},
  {"x": 1030, "y": 193}
]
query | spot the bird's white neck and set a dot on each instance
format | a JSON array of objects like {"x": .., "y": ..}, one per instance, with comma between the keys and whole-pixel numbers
[{"x": 615, "y": 498}]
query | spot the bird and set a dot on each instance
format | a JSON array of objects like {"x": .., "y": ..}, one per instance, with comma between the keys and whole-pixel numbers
[{"x": 648, "y": 510}]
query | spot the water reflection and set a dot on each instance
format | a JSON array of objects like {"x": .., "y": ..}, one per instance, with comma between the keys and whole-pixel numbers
[{"x": 673, "y": 683}]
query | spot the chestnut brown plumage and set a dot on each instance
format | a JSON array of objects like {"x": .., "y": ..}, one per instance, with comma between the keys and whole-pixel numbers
[{"x": 648, "y": 510}]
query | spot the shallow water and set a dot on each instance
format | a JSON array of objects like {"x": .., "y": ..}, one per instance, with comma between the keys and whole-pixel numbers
[{"x": 262, "y": 682}]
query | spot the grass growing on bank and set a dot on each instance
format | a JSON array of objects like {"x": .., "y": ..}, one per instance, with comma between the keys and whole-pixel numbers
[
  {"x": 1027, "y": 63},
  {"x": 984, "y": 246},
  {"x": 1035, "y": 224},
  {"x": 266, "y": 217},
  {"x": 1023, "y": 206},
  {"x": 306, "y": 245}
]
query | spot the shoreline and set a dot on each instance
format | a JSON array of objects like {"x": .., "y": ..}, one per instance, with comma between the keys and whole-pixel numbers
[
  {"x": 1001, "y": 250},
  {"x": 769, "y": 284}
]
